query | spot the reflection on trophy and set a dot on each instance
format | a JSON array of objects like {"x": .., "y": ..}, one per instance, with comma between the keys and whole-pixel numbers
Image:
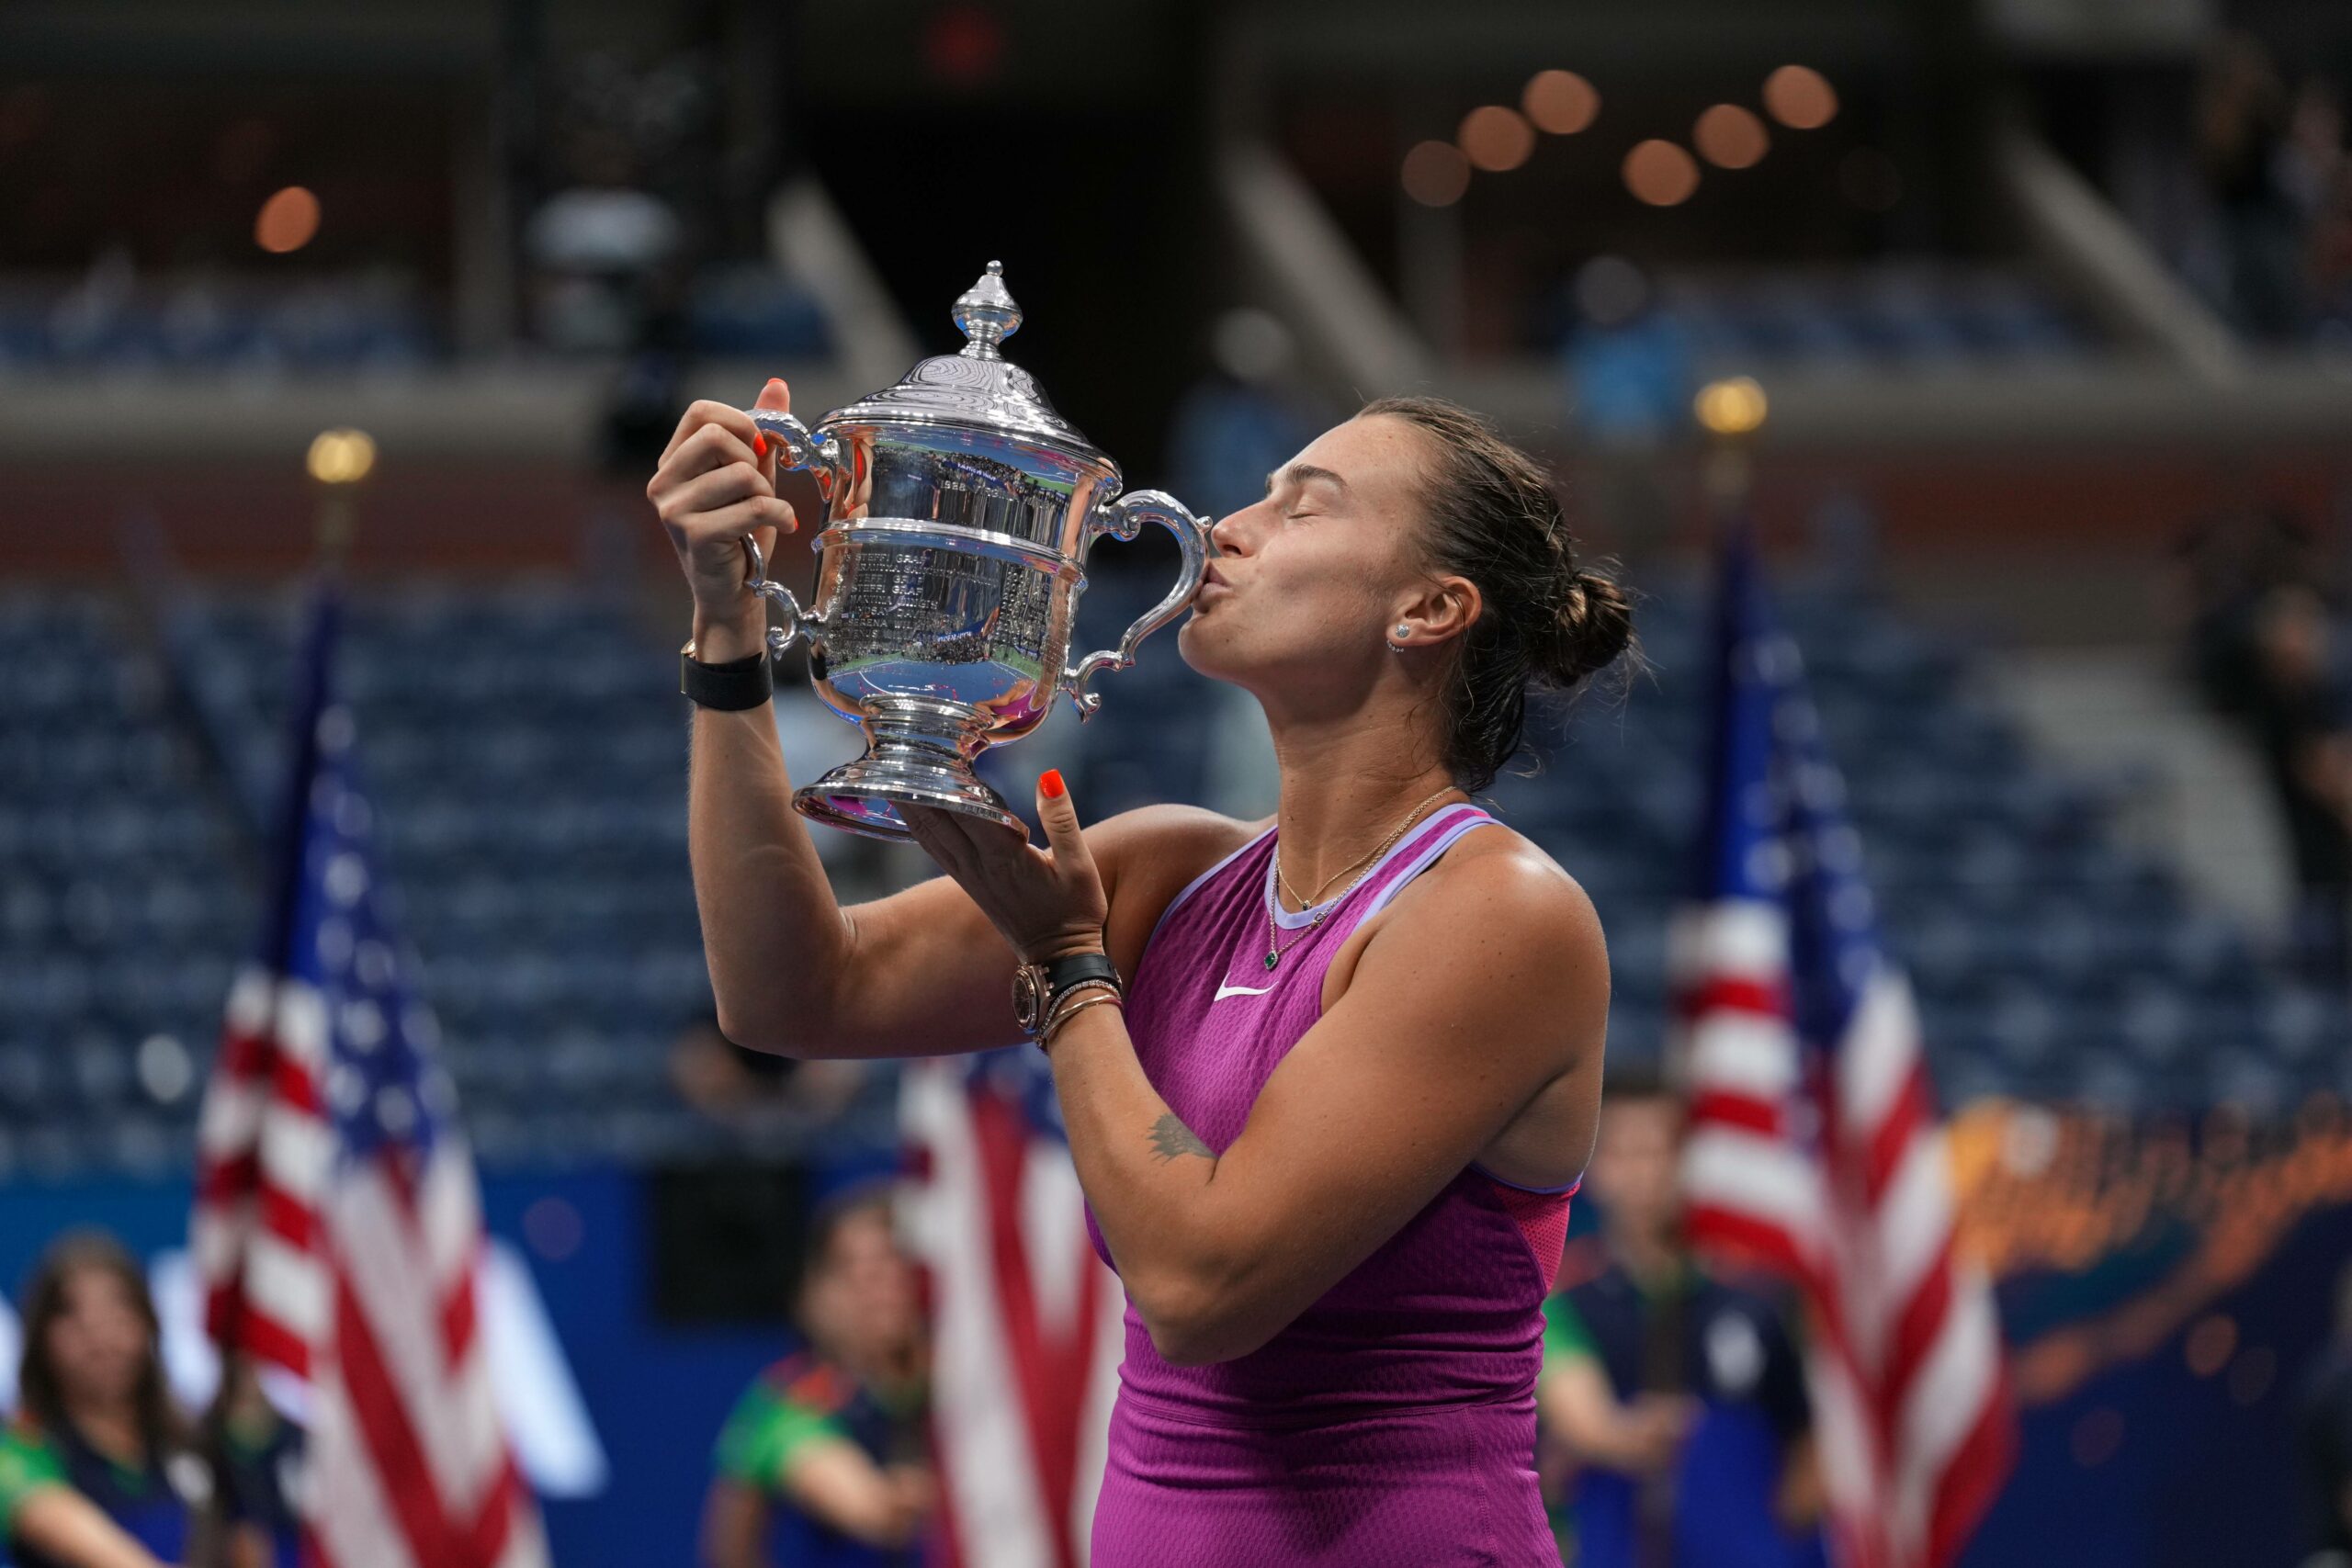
[{"x": 959, "y": 511}]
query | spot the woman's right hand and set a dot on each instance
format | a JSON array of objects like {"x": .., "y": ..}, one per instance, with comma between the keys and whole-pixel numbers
[{"x": 715, "y": 484}]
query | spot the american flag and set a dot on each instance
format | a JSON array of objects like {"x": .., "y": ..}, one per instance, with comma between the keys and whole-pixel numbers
[
  {"x": 337, "y": 1224},
  {"x": 1028, "y": 1325},
  {"x": 1814, "y": 1142}
]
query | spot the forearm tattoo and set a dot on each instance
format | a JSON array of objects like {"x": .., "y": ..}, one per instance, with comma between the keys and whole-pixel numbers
[{"x": 1170, "y": 1137}]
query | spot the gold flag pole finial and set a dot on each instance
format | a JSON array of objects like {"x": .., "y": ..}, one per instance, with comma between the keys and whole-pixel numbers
[
  {"x": 339, "y": 461},
  {"x": 1732, "y": 412}
]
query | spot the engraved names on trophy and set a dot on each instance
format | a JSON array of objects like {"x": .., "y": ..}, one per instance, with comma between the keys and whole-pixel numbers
[{"x": 922, "y": 604}]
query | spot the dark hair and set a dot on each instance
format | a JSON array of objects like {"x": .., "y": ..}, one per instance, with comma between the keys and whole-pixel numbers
[
  {"x": 829, "y": 1217},
  {"x": 44, "y": 1396},
  {"x": 1494, "y": 519}
]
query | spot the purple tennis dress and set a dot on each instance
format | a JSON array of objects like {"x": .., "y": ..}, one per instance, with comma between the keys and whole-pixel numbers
[{"x": 1393, "y": 1424}]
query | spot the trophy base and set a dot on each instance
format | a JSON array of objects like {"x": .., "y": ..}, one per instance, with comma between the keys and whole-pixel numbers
[{"x": 863, "y": 796}]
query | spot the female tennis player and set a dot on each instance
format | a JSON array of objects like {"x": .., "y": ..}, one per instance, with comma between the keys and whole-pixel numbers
[{"x": 1330, "y": 1079}]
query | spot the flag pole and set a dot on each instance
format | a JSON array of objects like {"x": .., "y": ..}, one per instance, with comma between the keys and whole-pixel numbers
[
  {"x": 340, "y": 460},
  {"x": 337, "y": 462},
  {"x": 1732, "y": 412}
]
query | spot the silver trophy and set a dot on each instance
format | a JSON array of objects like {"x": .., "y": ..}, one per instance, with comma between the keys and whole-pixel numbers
[{"x": 959, "y": 510}]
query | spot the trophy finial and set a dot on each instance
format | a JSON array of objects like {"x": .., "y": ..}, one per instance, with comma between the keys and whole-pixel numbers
[{"x": 987, "y": 314}]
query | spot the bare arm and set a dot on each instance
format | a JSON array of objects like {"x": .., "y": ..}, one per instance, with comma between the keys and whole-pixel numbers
[
  {"x": 1575, "y": 1403},
  {"x": 1475, "y": 995},
  {"x": 1801, "y": 1499},
  {"x": 248, "y": 1547},
  {"x": 734, "y": 1523},
  {"x": 59, "y": 1522},
  {"x": 834, "y": 1481},
  {"x": 920, "y": 973}
]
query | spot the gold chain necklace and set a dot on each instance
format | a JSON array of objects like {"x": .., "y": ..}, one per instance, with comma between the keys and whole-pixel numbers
[
  {"x": 1283, "y": 880},
  {"x": 1275, "y": 946}
]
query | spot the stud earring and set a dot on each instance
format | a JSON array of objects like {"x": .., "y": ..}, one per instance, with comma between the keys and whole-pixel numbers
[{"x": 1403, "y": 631}]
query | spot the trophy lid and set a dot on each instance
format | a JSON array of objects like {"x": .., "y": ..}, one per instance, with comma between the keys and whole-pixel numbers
[{"x": 977, "y": 388}]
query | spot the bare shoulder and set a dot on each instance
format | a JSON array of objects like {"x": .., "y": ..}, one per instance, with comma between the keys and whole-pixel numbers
[
  {"x": 1175, "y": 832},
  {"x": 1496, "y": 892},
  {"x": 1503, "y": 867},
  {"x": 1150, "y": 854}
]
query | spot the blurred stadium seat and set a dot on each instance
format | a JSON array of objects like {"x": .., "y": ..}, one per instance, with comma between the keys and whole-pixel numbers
[{"x": 528, "y": 759}]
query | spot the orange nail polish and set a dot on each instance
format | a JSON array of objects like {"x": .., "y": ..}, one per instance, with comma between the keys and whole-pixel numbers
[
  {"x": 759, "y": 445},
  {"x": 1052, "y": 785}
]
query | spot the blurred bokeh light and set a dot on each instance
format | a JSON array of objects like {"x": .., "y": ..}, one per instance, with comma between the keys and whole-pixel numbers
[
  {"x": 1731, "y": 137},
  {"x": 287, "y": 220},
  {"x": 1660, "y": 173},
  {"x": 1496, "y": 139},
  {"x": 1560, "y": 103},
  {"x": 1800, "y": 98},
  {"x": 1436, "y": 174}
]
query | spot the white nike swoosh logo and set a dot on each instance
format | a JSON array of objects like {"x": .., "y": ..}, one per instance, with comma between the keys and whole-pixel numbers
[{"x": 1229, "y": 989}]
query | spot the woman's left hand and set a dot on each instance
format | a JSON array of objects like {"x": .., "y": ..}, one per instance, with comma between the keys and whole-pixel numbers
[{"x": 1048, "y": 903}]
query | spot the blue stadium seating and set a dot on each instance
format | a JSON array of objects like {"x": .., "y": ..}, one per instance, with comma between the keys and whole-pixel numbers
[
  {"x": 1927, "y": 317},
  {"x": 534, "y": 855}
]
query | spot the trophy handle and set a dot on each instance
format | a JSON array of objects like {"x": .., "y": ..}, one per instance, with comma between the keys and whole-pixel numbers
[
  {"x": 797, "y": 449},
  {"x": 1123, "y": 519},
  {"x": 821, "y": 457},
  {"x": 797, "y": 622}
]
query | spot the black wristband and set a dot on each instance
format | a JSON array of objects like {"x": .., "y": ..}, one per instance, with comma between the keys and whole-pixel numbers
[
  {"x": 1037, "y": 988},
  {"x": 738, "y": 683},
  {"x": 1061, "y": 974}
]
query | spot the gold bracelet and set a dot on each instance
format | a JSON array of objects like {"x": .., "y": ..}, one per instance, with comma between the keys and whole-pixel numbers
[
  {"x": 1045, "y": 1038},
  {"x": 1061, "y": 1002}
]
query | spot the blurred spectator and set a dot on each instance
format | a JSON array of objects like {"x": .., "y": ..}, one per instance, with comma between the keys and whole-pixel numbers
[
  {"x": 2297, "y": 716},
  {"x": 605, "y": 252},
  {"x": 2224, "y": 566},
  {"x": 2311, "y": 152},
  {"x": 750, "y": 1089},
  {"x": 821, "y": 1463},
  {"x": 2316, "y": 176},
  {"x": 1630, "y": 385},
  {"x": 1244, "y": 420},
  {"x": 1678, "y": 1398},
  {"x": 259, "y": 1453},
  {"x": 2330, "y": 260},
  {"x": 98, "y": 1471},
  {"x": 2325, "y": 1436},
  {"x": 609, "y": 255},
  {"x": 2242, "y": 120}
]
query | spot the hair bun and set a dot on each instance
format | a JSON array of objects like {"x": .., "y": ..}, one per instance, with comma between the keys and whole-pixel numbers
[{"x": 1594, "y": 624}]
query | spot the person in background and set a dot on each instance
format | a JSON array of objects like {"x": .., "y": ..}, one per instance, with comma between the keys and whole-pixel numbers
[
  {"x": 259, "y": 1454},
  {"x": 2225, "y": 565},
  {"x": 2323, "y": 1437},
  {"x": 1673, "y": 1399},
  {"x": 2243, "y": 115},
  {"x": 98, "y": 1471},
  {"x": 2296, "y": 717},
  {"x": 820, "y": 1466}
]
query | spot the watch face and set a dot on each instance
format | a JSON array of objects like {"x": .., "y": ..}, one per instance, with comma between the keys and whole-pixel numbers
[{"x": 1028, "y": 997}]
